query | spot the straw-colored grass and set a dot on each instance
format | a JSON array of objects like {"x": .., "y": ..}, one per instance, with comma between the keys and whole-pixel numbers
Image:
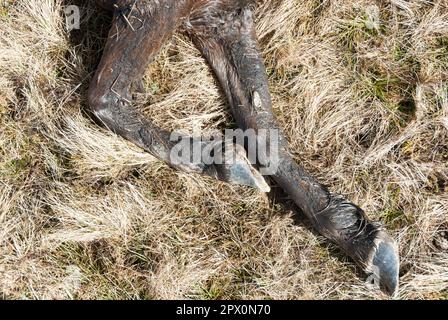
[{"x": 361, "y": 89}]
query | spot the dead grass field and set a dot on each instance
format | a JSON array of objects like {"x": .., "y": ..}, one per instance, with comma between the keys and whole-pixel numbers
[{"x": 361, "y": 89}]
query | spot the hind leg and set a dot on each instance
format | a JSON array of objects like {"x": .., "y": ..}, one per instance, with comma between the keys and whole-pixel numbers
[{"x": 225, "y": 36}]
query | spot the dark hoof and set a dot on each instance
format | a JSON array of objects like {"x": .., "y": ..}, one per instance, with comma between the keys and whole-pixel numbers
[
  {"x": 385, "y": 265},
  {"x": 240, "y": 170}
]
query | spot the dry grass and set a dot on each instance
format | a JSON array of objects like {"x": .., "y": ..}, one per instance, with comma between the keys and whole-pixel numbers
[{"x": 361, "y": 88}]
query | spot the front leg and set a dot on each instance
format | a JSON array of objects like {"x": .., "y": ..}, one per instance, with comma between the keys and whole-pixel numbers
[
  {"x": 140, "y": 28},
  {"x": 224, "y": 33}
]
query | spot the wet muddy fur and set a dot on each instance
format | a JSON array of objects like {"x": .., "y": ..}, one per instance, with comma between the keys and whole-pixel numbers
[{"x": 224, "y": 33}]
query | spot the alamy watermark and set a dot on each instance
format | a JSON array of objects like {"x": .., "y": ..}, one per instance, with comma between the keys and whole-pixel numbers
[
  {"x": 261, "y": 148},
  {"x": 72, "y": 17}
]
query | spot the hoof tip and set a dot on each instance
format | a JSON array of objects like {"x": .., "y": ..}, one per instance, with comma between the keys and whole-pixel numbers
[{"x": 385, "y": 264}]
